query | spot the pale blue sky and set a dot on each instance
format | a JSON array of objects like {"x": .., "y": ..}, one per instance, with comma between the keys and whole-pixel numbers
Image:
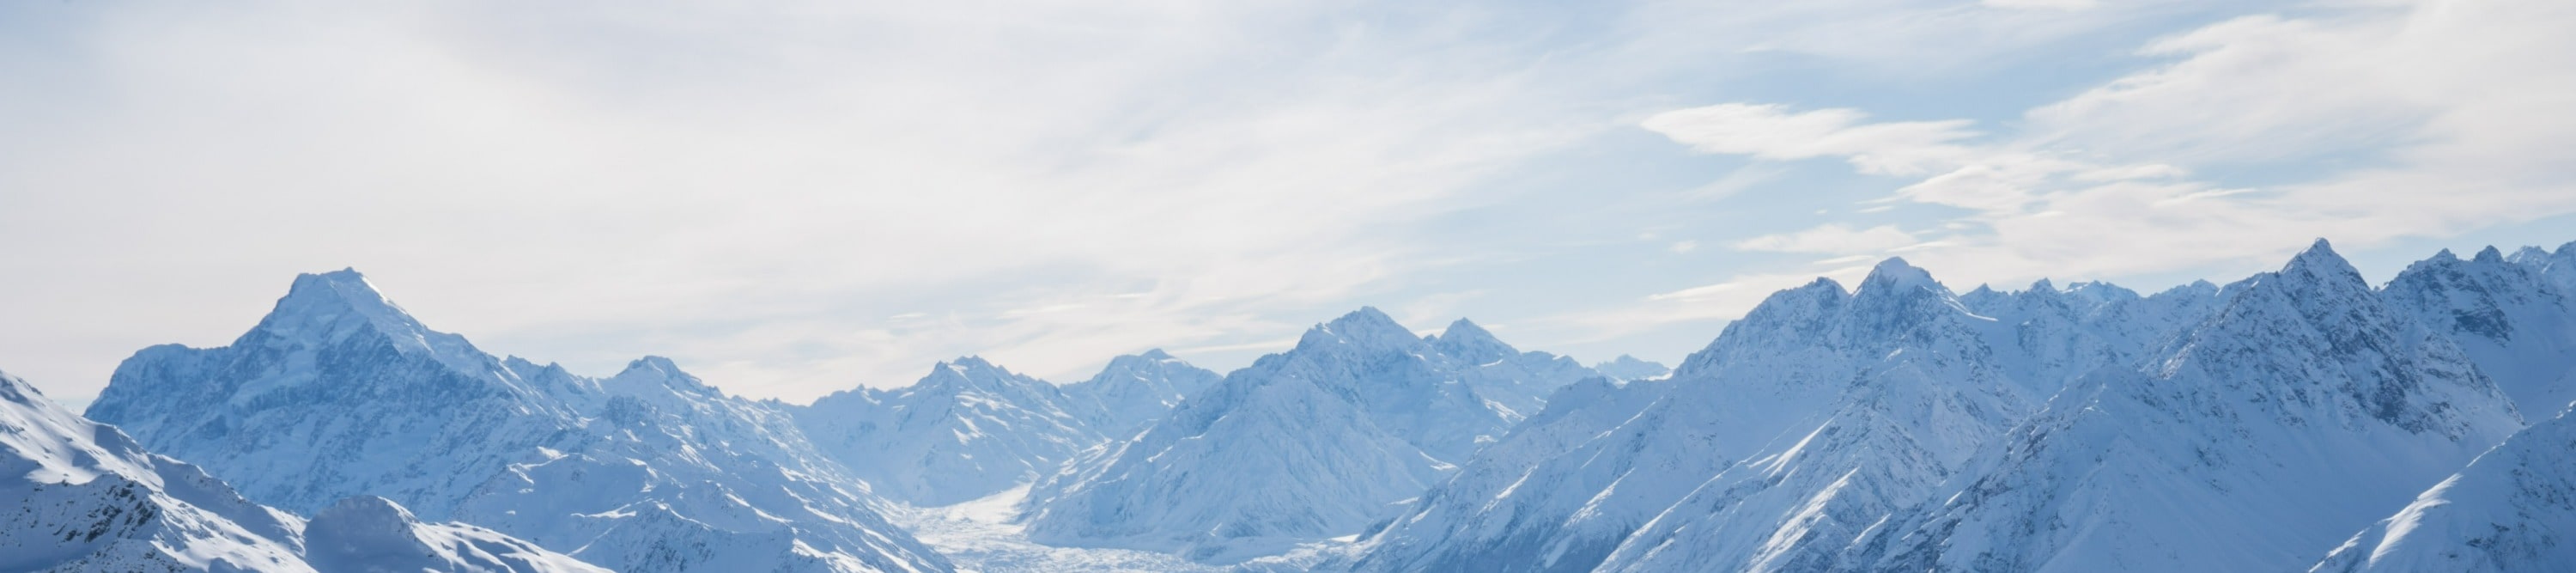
[{"x": 801, "y": 197}]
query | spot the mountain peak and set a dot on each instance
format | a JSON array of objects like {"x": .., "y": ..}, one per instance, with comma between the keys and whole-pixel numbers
[
  {"x": 658, "y": 372},
  {"x": 1365, "y": 317},
  {"x": 1894, "y": 274},
  {"x": 2320, "y": 264},
  {"x": 1366, "y": 327},
  {"x": 1627, "y": 367},
  {"x": 971, "y": 371},
  {"x": 327, "y": 308},
  {"x": 328, "y": 296},
  {"x": 967, "y": 362},
  {"x": 16, "y": 391},
  {"x": 2490, "y": 255},
  {"x": 2322, "y": 252},
  {"x": 1156, "y": 354},
  {"x": 654, "y": 363},
  {"x": 1897, "y": 277},
  {"x": 2530, "y": 255},
  {"x": 1467, "y": 328},
  {"x": 1467, "y": 341}
]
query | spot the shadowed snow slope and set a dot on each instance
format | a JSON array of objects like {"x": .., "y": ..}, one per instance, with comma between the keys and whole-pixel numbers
[
  {"x": 339, "y": 393},
  {"x": 88, "y": 498},
  {"x": 2511, "y": 510}
]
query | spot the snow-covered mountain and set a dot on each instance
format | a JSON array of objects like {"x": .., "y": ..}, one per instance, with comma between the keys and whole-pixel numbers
[
  {"x": 967, "y": 430},
  {"x": 88, "y": 498},
  {"x": 1627, "y": 367},
  {"x": 2518, "y": 328},
  {"x": 2511, "y": 510},
  {"x": 1516, "y": 379},
  {"x": 1895, "y": 426},
  {"x": 1950, "y": 384},
  {"x": 1312, "y": 443},
  {"x": 1136, "y": 390},
  {"x": 2302, "y": 409},
  {"x": 339, "y": 393},
  {"x": 1818, "y": 412},
  {"x": 2557, "y": 267}
]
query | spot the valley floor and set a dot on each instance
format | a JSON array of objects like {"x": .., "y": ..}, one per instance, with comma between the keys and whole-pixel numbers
[{"x": 979, "y": 536}]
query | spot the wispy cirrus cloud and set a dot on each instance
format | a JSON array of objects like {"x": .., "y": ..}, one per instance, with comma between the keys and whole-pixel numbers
[
  {"x": 2370, "y": 123},
  {"x": 1836, "y": 239},
  {"x": 1772, "y": 131},
  {"x": 798, "y": 197}
]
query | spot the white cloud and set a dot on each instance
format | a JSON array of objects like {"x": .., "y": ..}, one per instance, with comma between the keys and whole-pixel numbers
[
  {"x": 1723, "y": 300},
  {"x": 588, "y": 184},
  {"x": 793, "y": 197},
  {"x": 1772, "y": 132},
  {"x": 1832, "y": 239},
  {"x": 2039, "y": 4},
  {"x": 2458, "y": 109}
]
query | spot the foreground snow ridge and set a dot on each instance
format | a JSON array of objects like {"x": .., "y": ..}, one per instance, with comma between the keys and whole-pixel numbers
[{"x": 86, "y": 498}]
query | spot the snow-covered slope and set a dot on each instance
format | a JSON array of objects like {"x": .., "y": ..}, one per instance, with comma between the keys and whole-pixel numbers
[
  {"x": 1840, "y": 407},
  {"x": 339, "y": 393},
  {"x": 1136, "y": 390},
  {"x": 83, "y": 496},
  {"x": 2517, "y": 328},
  {"x": 2510, "y": 511},
  {"x": 967, "y": 430},
  {"x": 2303, "y": 409},
  {"x": 371, "y": 534},
  {"x": 1308, "y": 444}
]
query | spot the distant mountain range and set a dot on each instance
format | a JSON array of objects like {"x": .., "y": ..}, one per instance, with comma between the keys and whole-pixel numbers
[{"x": 2296, "y": 420}]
